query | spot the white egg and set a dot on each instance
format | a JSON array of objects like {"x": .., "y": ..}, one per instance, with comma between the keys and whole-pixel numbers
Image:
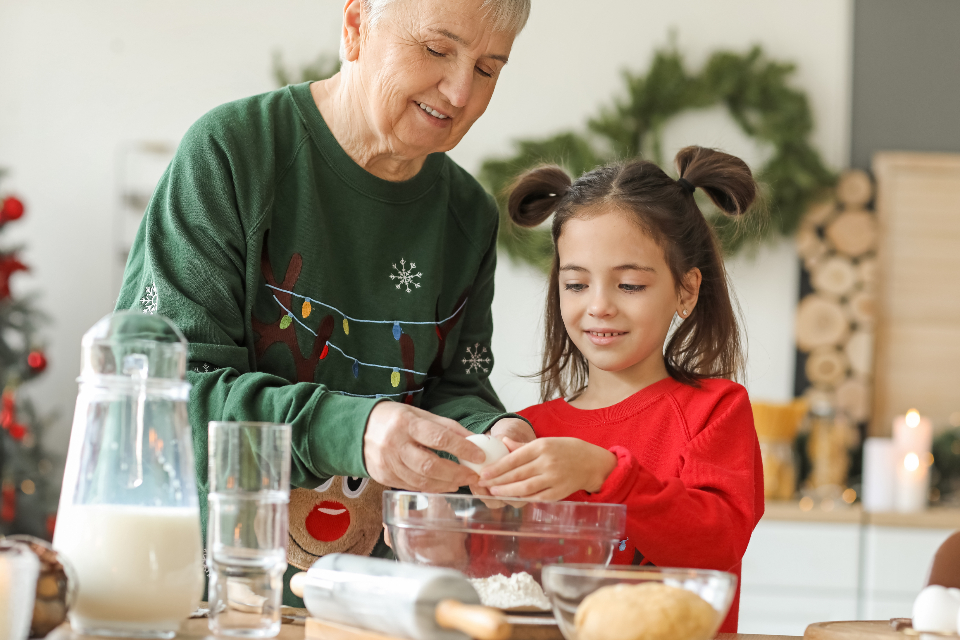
[
  {"x": 492, "y": 447},
  {"x": 936, "y": 609}
]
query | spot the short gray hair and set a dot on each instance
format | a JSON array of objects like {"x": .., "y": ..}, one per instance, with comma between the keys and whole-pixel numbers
[{"x": 508, "y": 15}]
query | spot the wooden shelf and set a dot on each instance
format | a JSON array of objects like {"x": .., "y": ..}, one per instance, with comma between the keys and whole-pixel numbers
[{"x": 934, "y": 518}]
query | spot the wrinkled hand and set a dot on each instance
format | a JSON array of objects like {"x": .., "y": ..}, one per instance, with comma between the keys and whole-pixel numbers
[
  {"x": 548, "y": 469},
  {"x": 397, "y": 447}
]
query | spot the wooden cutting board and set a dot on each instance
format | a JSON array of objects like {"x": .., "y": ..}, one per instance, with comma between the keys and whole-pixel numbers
[
  {"x": 865, "y": 630},
  {"x": 525, "y": 627}
]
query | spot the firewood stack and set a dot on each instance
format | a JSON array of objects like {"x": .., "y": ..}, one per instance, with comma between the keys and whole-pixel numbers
[{"x": 835, "y": 322}]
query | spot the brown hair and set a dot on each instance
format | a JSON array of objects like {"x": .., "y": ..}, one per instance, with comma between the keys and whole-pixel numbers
[{"x": 707, "y": 342}]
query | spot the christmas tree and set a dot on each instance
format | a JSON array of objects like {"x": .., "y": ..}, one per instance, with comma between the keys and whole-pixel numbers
[{"x": 28, "y": 486}]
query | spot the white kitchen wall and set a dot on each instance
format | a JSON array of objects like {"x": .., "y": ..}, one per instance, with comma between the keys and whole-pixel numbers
[{"x": 80, "y": 81}]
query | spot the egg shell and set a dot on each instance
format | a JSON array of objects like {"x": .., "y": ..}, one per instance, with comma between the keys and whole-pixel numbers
[
  {"x": 936, "y": 609},
  {"x": 492, "y": 447}
]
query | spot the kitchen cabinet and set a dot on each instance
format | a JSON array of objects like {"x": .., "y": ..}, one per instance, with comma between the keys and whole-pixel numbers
[{"x": 815, "y": 566}]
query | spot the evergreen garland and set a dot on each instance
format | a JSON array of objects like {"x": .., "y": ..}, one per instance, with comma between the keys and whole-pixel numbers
[{"x": 754, "y": 90}]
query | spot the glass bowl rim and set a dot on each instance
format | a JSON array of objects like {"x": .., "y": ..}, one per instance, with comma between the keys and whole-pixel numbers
[
  {"x": 610, "y": 571},
  {"x": 610, "y": 519},
  {"x": 398, "y": 492}
]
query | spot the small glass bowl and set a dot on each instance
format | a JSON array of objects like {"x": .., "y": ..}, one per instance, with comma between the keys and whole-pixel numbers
[
  {"x": 567, "y": 585},
  {"x": 486, "y": 536}
]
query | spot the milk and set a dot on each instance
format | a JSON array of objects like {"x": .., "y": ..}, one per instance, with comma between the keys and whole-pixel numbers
[{"x": 140, "y": 569}]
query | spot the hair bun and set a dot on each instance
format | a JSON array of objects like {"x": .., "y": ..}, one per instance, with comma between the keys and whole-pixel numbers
[
  {"x": 726, "y": 179},
  {"x": 536, "y": 193}
]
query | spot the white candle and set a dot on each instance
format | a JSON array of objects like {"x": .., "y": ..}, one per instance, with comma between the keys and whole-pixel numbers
[
  {"x": 879, "y": 475},
  {"x": 913, "y": 432},
  {"x": 912, "y": 441}
]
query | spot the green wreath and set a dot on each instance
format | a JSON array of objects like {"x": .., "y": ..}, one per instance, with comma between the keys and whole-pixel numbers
[{"x": 754, "y": 91}]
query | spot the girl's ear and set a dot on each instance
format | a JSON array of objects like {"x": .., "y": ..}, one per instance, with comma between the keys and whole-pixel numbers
[
  {"x": 353, "y": 19},
  {"x": 689, "y": 292}
]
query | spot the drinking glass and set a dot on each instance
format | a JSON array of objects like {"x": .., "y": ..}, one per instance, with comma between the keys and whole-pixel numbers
[{"x": 247, "y": 526}]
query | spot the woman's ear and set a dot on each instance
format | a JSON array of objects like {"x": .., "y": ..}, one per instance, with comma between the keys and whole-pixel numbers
[
  {"x": 354, "y": 18},
  {"x": 689, "y": 292}
]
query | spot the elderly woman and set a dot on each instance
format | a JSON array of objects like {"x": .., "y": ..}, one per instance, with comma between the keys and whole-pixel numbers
[{"x": 332, "y": 268}]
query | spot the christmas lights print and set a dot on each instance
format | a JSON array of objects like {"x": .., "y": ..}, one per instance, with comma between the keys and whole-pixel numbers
[
  {"x": 298, "y": 308},
  {"x": 289, "y": 318}
]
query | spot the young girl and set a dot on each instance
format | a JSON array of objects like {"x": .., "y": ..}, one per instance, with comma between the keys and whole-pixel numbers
[{"x": 659, "y": 428}]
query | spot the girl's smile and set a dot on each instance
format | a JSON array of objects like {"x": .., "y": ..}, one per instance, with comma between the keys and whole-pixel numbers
[{"x": 601, "y": 337}]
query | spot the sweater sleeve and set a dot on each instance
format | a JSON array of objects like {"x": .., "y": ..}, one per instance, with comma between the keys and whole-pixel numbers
[
  {"x": 703, "y": 518},
  {"x": 463, "y": 392},
  {"x": 194, "y": 261}
]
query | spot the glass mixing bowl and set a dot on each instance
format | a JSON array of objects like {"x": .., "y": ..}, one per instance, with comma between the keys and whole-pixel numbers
[
  {"x": 483, "y": 537},
  {"x": 567, "y": 586}
]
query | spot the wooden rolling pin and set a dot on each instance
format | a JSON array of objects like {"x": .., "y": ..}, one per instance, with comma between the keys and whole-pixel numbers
[{"x": 397, "y": 599}]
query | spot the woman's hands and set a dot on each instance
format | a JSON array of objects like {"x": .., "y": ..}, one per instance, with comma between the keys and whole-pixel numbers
[
  {"x": 397, "y": 447},
  {"x": 548, "y": 469}
]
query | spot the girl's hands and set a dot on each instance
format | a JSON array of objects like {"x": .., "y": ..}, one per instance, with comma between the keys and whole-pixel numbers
[
  {"x": 548, "y": 469},
  {"x": 508, "y": 430}
]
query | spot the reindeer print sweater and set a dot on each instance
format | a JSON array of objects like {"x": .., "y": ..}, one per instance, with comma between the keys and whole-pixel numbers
[{"x": 310, "y": 290}]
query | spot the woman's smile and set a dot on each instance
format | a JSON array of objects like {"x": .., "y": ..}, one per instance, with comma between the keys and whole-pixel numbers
[
  {"x": 433, "y": 112},
  {"x": 433, "y": 117}
]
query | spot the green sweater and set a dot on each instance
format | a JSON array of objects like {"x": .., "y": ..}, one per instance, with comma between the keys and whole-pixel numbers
[{"x": 310, "y": 290}]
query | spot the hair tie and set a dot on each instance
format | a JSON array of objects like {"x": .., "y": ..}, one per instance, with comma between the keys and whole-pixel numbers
[{"x": 686, "y": 185}]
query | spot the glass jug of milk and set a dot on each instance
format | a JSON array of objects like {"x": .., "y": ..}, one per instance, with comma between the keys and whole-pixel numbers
[{"x": 129, "y": 518}]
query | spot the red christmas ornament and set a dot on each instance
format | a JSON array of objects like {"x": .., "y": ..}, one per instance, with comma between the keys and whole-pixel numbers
[
  {"x": 37, "y": 361},
  {"x": 9, "y": 264},
  {"x": 12, "y": 209},
  {"x": 8, "y": 502},
  {"x": 8, "y": 410},
  {"x": 17, "y": 431}
]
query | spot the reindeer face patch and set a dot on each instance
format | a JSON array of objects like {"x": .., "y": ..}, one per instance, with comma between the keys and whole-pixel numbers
[{"x": 343, "y": 515}]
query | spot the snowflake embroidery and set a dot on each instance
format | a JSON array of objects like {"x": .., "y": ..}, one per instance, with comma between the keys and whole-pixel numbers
[
  {"x": 150, "y": 300},
  {"x": 475, "y": 360},
  {"x": 203, "y": 368},
  {"x": 406, "y": 275}
]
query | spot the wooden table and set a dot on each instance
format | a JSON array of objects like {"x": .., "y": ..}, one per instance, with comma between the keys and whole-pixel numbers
[{"x": 196, "y": 629}]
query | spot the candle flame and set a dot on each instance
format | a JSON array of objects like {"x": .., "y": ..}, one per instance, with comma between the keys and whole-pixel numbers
[
  {"x": 913, "y": 418},
  {"x": 911, "y": 462}
]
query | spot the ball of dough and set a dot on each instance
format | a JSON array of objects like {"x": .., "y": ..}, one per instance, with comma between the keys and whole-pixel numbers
[
  {"x": 648, "y": 611},
  {"x": 492, "y": 447}
]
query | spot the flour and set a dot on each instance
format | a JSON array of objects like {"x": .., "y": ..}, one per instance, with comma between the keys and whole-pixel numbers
[{"x": 518, "y": 591}]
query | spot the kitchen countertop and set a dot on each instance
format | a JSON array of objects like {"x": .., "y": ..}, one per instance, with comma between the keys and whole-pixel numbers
[
  {"x": 790, "y": 511},
  {"x": 196, "y": 629}
]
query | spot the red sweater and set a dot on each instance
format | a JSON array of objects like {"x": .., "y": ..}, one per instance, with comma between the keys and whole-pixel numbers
[{"x": 688, "y": 469}]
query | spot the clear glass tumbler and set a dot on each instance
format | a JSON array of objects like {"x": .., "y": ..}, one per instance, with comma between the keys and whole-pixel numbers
[{"x": 247, "y": 526}]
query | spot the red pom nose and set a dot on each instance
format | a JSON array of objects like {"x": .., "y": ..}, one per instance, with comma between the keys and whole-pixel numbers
[{"x": 328, "y": 521}]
